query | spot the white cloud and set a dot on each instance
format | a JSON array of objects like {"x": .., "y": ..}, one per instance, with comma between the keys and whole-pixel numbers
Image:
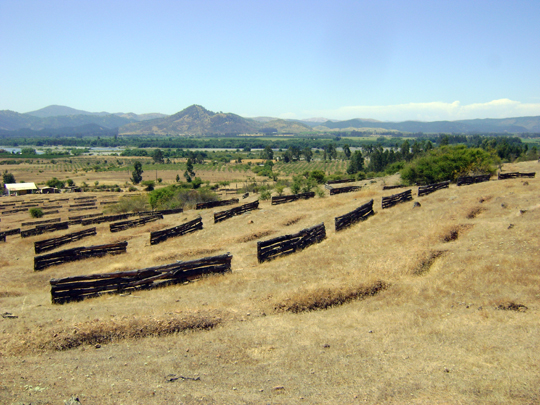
[{"x": 434, "y": 111}]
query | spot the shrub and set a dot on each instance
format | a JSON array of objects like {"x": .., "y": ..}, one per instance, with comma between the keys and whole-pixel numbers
[
  {"x": 148, "y": 184},
  {"x": 130, "y": 204},
  {"x": 36, "y": 212},
  {"x": 265, "y": 195},
  {"x": 54, "y": 182},
  {"x": 448, "y": 163},
  {"x": 132, "y": 188},
  {"x": 176, "y": 196}
]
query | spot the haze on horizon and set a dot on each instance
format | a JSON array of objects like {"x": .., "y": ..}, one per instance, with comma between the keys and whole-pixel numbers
[{"x": 390, "y": 61}]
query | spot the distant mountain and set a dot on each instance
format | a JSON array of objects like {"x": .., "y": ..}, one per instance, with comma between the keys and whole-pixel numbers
[
  {"x": 83, "y": 130},
  {"x": 11, "y": 120},
  {"x": 60, "y": 110},
  {"x": 489, "y": 125},
  {"x": 197, "y": 120}
]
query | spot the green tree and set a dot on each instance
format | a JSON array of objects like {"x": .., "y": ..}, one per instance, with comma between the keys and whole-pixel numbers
[
  {"x": 189, "y": 173},
  {"x": 8, "y": 178},
  {"x": 28, "y": 151},
  {"x": 267, "y": 153},
  {"x": 54, "y": 182},
  {"x": 357, "y": 163},
  {"x": 157, "y": 155},
  {"x": 137, "y": 173},
  {"x": 347, "y": 151},
  {"x": 308, "y": 154}
]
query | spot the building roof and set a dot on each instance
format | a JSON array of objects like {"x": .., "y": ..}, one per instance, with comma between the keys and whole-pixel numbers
[{"x": 20, "y": 186}]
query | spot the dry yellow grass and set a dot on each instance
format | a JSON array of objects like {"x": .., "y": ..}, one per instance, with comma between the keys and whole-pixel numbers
[{"x": 457, "y": 327}]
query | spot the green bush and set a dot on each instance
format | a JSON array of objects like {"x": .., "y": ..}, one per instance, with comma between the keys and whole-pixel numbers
[
  {"x": 176, "y": 196},
  {"x": 265, "y": 195},
  {"x": 54, "y": 182},
  {"x": 36, "y": 212},
  {"x": 449, "y": 163},
  {"x": 137, "y": 203}
]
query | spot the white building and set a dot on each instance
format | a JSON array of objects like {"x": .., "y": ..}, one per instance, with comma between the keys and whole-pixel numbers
[{"x": 20, "y": 188}]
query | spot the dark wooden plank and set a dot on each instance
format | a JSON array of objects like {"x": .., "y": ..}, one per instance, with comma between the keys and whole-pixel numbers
[
  {"x": 188, "y": 227},
  {"x": 223, "y": 215},
  {"x": 47, "y": 221},
  {"x": 212, "y": 204},
  {"x": 293, "y": 197},
  {"x": 50, "y": 244},
  {"x": 80, "y": 287}
]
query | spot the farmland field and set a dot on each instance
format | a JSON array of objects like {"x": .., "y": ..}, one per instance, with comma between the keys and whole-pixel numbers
[{"x": 455, "y": 320}]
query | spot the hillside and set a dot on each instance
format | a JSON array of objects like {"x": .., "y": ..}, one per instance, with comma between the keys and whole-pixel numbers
[
  {"x": 60, "y": 110},
  {"x": 11, "y": 120},
  {"x": 196, "y": 120},
  {"x": 456, "y": 321},
  {"x": 517, "y": 125}
]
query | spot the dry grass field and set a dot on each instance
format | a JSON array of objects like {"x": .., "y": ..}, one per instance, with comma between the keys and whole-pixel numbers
[{"x": 437, "y": 304}]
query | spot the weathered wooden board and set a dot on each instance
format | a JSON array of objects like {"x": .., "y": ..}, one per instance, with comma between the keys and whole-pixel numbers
[
  {"x": 163, "y": 235},
  {"x": 287, "y": 244},
  {"x": 431, "y": 188},
  {"x": 80, "y": 287},
  {"x": 392, "y": 200},
  {"x": 123, "y": 225},
  {"x": 38, "y": 230},
  {"x": 340, "y": 190},
  {"x": 46, "y": 221},
  {"x": 359, "y": 214},
  {"x": 223, "y": 215},
  {"x": 212, "y": 204},
  {"x": 50, "y": 244},
  {"x": 514, "y": 175},
  {"x": 80, "y": 253},
  {"x": 467, "y": 180},
  {"x": 293, "y": 197}
]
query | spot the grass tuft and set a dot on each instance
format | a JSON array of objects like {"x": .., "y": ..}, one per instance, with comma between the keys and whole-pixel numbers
[
  {"x": 474, "y": 212},
  {"x": 101, "y": 332},
  {"x": 324, "y": 298},
  {"x": 426, "y": 261},
  {"x": 512, "y": 306}
]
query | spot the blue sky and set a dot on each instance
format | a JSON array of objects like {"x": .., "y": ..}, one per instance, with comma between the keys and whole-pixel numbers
[{"x": 387, "y": 60}]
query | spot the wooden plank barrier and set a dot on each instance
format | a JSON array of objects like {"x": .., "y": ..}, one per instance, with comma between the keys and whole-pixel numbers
[
  {"x": 38, "y": 230},
  {"x": 287, "y": 244},
  {"x": 163, "y": 235},
  {"x": 51, "y": 207},
  {"x": 50, "y": 244},
  {"x": 85, "y": 198},
  {"x": 50, "y": 212},
  {"x": 340, "y": 181},
  {"x": 123, "y": 225},
  {"x": 431, "y": 188},
  {"x": 79, "y": 253},
  {"x": 514, "y": 175},
  {"x": 393, "y": 187},
  {"x": 14, "y": 211},
  {"x": 106, "y": 218},
  {"x": 392, "y": 200},
  {"x": 340, "y": 190},
  {"x": 15, "y": 231},
  {"x": 78, "y": 219},
  {"x": 360, "y": 214},
  {"x": 47, "y": 221},
  {"x": 85, "y": 204},
  {"x": 82, "y": 208},
  {"x": 293, "y": 197},
  {"x": 170, "y": 212},
  {"x": 2, "y": 236},
  {"x": 77, "y": 288},
  {"x": 468, "y": 180},
  {"x": 223, "y": 215},
  {"x": 108, "y": 202},
  {"x": 212, "y": 204}
]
